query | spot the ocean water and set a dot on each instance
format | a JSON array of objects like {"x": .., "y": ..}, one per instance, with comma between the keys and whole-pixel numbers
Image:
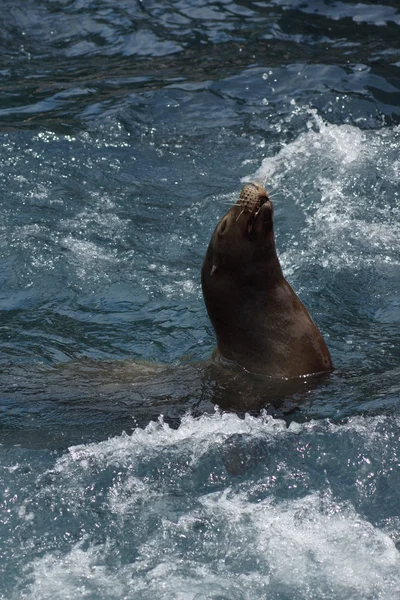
[{"x": 127, "y": 130}]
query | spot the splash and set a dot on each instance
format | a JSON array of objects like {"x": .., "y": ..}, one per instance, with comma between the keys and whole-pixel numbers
[
  {"x": 343, "y": 184},
  {"x": 161, "y": 514}
]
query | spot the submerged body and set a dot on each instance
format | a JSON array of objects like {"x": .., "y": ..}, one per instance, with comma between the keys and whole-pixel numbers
[{"x": 259, "y": 321}]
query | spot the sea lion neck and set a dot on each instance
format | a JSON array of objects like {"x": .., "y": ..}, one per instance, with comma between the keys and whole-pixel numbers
[
  {"x": 248, "y": 321},
  {"x": 263, "y": 274}
]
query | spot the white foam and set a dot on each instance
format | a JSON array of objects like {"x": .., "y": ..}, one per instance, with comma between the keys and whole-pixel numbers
[
  {"x": 344, "y": 181},
  {"x": 311, "y": 548},
  {"x": 235, "y": 542}
]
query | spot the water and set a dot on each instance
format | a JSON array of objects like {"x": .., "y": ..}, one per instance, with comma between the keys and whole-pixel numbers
[{"x": 127, "y": 130}]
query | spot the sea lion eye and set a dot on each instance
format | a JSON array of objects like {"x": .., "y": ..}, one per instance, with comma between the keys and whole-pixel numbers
[{"x": 222, "y": 227}]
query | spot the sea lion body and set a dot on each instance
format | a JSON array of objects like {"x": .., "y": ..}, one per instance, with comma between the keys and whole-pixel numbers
[{"x": 259, "y": 321}]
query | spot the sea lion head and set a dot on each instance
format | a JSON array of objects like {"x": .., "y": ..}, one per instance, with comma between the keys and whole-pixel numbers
[{"x": 243, "y": 243}]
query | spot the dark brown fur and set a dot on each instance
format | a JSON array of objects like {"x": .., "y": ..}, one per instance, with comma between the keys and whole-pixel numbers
[{"x": 259, "y": 321}]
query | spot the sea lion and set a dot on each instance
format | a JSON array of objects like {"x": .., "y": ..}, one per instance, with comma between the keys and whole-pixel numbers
[{"x": 259, "y": 321}]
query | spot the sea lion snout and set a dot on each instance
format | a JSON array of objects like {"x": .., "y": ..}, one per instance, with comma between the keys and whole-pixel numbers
[
  {"x": 254, "y": 200},
  {"x": 252, "y": 197}
]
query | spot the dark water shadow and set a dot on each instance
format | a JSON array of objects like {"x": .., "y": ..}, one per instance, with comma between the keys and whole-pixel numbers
[{"x": 92, "y": 400}]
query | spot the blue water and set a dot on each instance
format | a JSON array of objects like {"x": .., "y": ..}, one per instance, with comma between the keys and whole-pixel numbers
[{"x": 127, "y": 130}]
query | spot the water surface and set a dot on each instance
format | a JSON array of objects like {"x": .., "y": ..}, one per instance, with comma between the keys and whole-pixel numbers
[{"x": 127, "y": 130}]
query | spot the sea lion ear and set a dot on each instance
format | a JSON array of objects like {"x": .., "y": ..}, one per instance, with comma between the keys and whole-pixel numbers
[{"x": 213, "y": 270}]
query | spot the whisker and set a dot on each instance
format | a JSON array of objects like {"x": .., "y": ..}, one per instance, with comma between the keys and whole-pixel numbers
[
  {"x": 270, "y": 189},
  {"x": 235, "y": 204},
  {"x": 240, "y": 214},
  {"x": 274, "y": 193}
]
